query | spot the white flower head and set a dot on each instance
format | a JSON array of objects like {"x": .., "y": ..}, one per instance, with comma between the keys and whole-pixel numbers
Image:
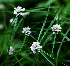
[
  {"x": 56, "y": 28},
  {"x": 11, "y": 50},
  {"x": 18, "y": 10},
  {"x": 1, "y": 26},
  {"x": 35, "y": 47},
  {"x": 26, "y": 31}
]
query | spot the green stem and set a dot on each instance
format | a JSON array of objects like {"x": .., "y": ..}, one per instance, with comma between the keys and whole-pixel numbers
[
  {"x": 23, "y": 42},
  {"x": 42, "y": 28},
  {"x": 14, "y": 30},
  {"x": 54, "y": 42}
]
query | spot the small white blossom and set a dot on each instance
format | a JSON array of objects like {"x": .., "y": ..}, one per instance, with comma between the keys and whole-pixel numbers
[
  {"x": 2, "y": 6},
  {"x": 18, "y": 10},
  {"x": 35, "y": 47},
  {"x": 56, "y": 28},
  {"x": 12, "y": 21},
  {"x": 1, "y": 26},
  {"x": 56, "y": 17},
  {"x": 26, "y": 31},
  {"x": 11, "y": 50}
]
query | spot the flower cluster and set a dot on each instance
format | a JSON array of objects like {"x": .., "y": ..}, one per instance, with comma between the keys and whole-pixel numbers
[
  {"x": 56, "y": 28},
  {"x": 26, "y": 31},
  {"x": 18, "y": 11},
  {"x": 35, "y": 47},
  {"x": 11, "y": 50}
]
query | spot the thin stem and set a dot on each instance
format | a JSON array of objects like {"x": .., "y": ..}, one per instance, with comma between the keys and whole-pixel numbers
[
  {"x": 42, "y": 28},
  {"x": 54, "y": 42},
  {"x": 23, "y": 42}
]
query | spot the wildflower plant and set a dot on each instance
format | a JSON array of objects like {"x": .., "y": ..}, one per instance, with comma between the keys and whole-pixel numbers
[{"x": 44, "y": 42}]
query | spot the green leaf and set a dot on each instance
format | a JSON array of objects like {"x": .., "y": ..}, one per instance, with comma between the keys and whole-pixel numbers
[{"x": 65, "y": 36}]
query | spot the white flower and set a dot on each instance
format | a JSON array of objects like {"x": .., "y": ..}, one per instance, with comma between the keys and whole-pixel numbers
[
  {"x": 18, "y": 10},
  {"x": 56, "y": 28},
  {"x": 2, "y": 6},
  {"x": 1, "y": 26},
  {"x": 56, "y": 17},
  {"x": 11, "y": 50},
  {"x": 35, "y": 47},
  {"x": 12, "y": 21},
  {"x": 26, "y": 31}
]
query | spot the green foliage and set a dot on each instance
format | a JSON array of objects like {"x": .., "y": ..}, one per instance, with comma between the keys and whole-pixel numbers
[{"x": 55, "y": 47}]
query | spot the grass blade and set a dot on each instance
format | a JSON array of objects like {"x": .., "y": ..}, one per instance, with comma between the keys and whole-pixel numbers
[
  {"x": 46, "y": 57},
  {"x": 47, "y": 40},
  {"x": 65, "y": 36},
  {"x": 54, "y": 42},
  {"x": 61, "y": 46},
  {"x": 33, "y": 37},
  {"x": 42, "y": 28},
  {"x": 23, "y": 42},
  {"x": 23, "y": 57}
]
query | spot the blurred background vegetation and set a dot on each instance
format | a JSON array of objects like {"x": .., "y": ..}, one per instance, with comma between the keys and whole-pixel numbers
[{"x": 38, "y": 10}]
